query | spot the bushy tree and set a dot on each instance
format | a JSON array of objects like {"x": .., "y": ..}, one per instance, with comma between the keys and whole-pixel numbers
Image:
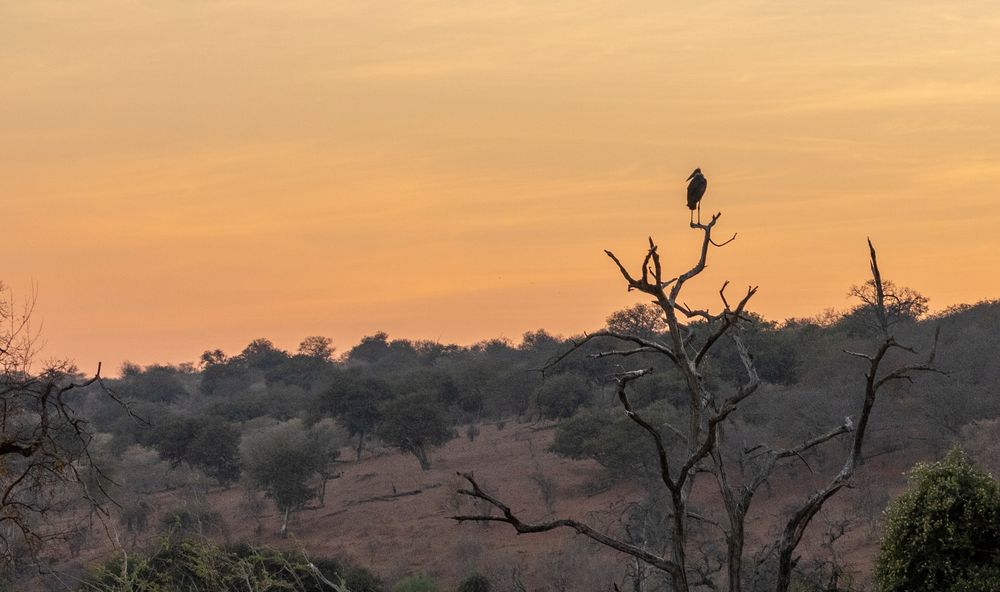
[
  {"x": 215, "y": 450},
  {"x": 283, "y": 461},
  {"x": 944, "y": 531},
  {"x": 155, "y": 383},
  {"x": 614, "y": 441},
  {"x": 206, "y": 443},
  {"x": 261, "y": 354},
  {"x": 318, "y": 347},
  {"x": 640, "y": 319},
  {"x": 415, "y": 423},
  {"x": 354, "y": 399},
  {"x": 562, "y": 395}
]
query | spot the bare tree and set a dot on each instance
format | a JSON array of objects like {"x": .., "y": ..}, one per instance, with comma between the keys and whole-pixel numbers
[
  {"x": 45, "y": 447},
  {"x": 690, "y": 338}
]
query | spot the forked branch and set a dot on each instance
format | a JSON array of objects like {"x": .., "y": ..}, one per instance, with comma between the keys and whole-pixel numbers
[{"x": 508, "y": 516}]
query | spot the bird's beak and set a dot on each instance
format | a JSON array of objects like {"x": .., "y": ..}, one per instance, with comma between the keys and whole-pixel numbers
[{"x": 689, "y": 178}]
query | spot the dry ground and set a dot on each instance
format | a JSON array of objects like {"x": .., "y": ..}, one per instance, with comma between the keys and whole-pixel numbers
[{"x": 412, "y": 534}]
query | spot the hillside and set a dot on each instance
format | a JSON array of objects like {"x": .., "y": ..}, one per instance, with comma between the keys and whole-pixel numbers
[{"x": 386, "y": 514}]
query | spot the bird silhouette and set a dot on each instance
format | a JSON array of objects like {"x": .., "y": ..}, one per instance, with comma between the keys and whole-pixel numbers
[{"x": 696, "y": 189}]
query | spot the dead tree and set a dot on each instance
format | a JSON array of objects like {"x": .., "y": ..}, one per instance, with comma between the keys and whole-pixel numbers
[
  {"x": 46, "y": 467},
  {"x": 706, "y": 414}
]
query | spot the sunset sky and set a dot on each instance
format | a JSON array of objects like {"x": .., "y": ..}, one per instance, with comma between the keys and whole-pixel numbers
[{"x": 180, "y": 175}]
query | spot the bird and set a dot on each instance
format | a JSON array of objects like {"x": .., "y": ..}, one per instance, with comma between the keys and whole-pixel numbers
[{"x": 696, "y": 189}]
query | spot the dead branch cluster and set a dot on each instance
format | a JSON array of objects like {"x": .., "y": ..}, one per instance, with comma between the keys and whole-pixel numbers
[
  {"x": 46, "y": 465},
  {"x": 707, "y": 413}
]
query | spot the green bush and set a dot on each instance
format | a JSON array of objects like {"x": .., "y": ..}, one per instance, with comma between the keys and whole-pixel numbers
[
  {"x": 562, "y": 395},
  {"x": 475, "y": 583},
  {"x": 944, "y": 531},
  {"x": 615, "y": 441},
  {"x": 179, "y": 564},
  {"x": 185, "y": 521},
  {"x": 415, "y": 584}
]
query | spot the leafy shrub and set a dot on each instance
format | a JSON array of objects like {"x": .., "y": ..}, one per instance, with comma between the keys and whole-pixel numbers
[
  {"x": 179, "y": 564},
  {"x": 415, "y": 584},
  {"x": 944, "y": 531},
  {"x": 614, "y": 440},
  {"x": 475, "y": 583},
  {"x": 562, "y": 395},
  {"x": 187, "y": 520}
]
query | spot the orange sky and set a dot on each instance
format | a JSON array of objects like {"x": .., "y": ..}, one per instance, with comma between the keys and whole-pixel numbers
[{"x": 182, "y": 175}]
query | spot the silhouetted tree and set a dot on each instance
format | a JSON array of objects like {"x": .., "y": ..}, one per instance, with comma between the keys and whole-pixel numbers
[
  {"x": 46, "y": 461},
  {"x": 901, "y": 304},
  {"x": 644, "y": 320},
  {"x": 317, "y": 346},
  {"x": 702, "y": 426}
]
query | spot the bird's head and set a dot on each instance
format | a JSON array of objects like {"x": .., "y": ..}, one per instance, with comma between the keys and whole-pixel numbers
[{"x": 696, "y": 173}]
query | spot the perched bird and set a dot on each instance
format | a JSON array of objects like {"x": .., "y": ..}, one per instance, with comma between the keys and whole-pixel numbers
[{"x": 696, "y": 189}]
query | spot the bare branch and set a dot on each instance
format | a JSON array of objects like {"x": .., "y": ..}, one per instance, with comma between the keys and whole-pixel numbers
[
  {"x": 522, "y": 527},
  {"x": 652, "y": 346}
]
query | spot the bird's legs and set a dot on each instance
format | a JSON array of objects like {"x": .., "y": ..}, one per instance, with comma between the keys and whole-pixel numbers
[{"x": 699, "y": 212}]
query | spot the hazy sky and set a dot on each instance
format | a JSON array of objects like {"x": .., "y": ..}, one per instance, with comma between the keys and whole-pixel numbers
[{"x": 179, "y": 175}]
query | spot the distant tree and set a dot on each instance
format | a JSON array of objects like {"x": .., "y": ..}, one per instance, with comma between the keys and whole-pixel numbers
[
  {"x": 317, "y": 346},
  {"x": 370, "y": 349},
  {"x": 540, "y": 341},
  {"x": 171, "y": 436},
  {"x": 354, "y": 399},
  {"x": 283, "y": 461},
  {"x": 215, "y": 450},
  {"x": 415, "y": 423},
  {"x": 901, "y": 304},
  {"x": 980, "y": 439},
  {"x": 562, "y": 395},
  {"x": 609, "y": 438},
  {"x": 211, "y": 357},
  {"x": 943, "y": 533},
  {"x": 224, "y": 378},
  {"x": 641, "y": 319},
  {"x": 305, "y": 372},
  {"x": 130, "y": 369},
  {"x": 206, "y": 443},
  {"x": 329, "y": 439},
  {"x": 155, "y": 383},
  {"x": 261, "y": 354}
]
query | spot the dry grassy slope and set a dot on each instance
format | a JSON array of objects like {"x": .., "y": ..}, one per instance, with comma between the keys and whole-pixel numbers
[{"x": 412, "y": 534}]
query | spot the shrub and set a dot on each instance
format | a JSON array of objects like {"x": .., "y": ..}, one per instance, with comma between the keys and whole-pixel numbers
[
  {"x": 944, "y": 531},
  {"x": 415, "y": 584},
  {"x": 185, "y": 521},
  {"x": 475, "y": 583},
  {"x": 179, "y": 564},
  {"x": 561, "y": 395}
]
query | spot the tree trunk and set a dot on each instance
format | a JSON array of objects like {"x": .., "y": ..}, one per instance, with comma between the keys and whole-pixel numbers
[
  {"x": 322, "y": 489},
  {"x": 421, "y": 454},
  {"x": 361, "y": 443},
  {"x": 284, "y": 524}
]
